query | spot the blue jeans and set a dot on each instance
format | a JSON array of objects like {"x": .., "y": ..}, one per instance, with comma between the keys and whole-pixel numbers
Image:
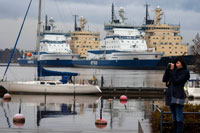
[{"x": 177, "y": 112}]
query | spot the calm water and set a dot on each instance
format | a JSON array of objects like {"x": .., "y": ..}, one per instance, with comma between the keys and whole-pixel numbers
[
  {"x": 53, "y": 113},
  {"x": 114, "y": 77},
  {"x": 120, "y": 117}
]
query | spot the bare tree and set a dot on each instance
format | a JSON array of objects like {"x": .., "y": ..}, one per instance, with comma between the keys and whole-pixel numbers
[{"x": 195, "y": 49}]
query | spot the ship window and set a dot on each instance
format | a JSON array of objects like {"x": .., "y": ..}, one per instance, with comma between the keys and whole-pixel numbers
[
  {"x": 161, "y": 43},
  {"x": 176, "y": 43}
]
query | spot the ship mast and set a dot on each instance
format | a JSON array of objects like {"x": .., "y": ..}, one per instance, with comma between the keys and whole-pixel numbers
[
  {"x": 112, "y": 10},
  {"x": 159, "y": 14},
  {"x": 75, "y": 24},
  {"x": 38, "y": 40},
  {"x": 38, "y": 29},
  {"x": 147, "y": 13}
]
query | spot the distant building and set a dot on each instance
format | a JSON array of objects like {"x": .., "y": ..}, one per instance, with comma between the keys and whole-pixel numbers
[
  {"x": 163, "y": 37},
  {"x": 82, "y": 40}
]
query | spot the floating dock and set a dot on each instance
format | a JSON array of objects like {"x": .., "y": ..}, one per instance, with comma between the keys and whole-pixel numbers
[{"x": 132, "y": 92}]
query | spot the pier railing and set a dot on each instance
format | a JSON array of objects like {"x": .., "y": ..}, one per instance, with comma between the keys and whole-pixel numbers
[{"x": 156, "y": 107}]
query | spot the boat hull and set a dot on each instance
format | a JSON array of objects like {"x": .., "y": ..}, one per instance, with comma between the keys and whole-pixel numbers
[
  {"x": 46, "y": 63},
  {"x": 118, "y": 64},
  {"x": 121, "y": 64},
  {"x": 27, "y": 62},
  {"x": 49, "y": 88}
]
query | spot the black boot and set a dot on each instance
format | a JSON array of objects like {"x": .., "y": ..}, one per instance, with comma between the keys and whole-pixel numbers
[
  {"x": 179, "y": 127},
  {"x": 174, "y": 126}
]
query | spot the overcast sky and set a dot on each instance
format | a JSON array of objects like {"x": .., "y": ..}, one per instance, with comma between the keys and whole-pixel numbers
[{"x": 96, "y": 12}]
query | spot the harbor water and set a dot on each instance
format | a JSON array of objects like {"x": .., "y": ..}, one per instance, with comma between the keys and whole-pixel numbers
[{"x": 66, "y": 113}]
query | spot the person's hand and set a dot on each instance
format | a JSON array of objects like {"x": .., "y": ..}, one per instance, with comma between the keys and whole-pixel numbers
[{"x": 171, "y": 66}]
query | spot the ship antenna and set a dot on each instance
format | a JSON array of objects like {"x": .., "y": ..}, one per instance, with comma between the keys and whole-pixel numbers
[
  {"x": 75, "y": 24},
  {"x": 147, "y": 13},
  {"x": 164, "y": 20},
  {"x": 113, "y": 13},
  {"x": 46, "y": 19}
]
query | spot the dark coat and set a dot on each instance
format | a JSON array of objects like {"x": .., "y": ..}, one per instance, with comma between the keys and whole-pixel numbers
[{"x": 175, "y": 81}]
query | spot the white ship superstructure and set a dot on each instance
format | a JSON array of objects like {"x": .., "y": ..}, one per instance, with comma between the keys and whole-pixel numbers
[
  {"x": 123, "y": 42},
  {"x": 54, "y": 49},
  {"x": 54, "y": 43}
]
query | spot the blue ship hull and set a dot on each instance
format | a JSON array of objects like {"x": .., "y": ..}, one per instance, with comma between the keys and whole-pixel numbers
[
  {"x": 47, "y": 63},
  {"x": 27, "y": 62},
  {"x": 119, "y": 64}
]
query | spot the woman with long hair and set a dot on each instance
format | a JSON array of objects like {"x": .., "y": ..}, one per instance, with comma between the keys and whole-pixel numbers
[{"x": 175, "y": 76}]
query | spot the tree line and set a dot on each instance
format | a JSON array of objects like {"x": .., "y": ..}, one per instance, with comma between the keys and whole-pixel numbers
[
  {"x": 196, "y": 51},
  {"x": 5, "y": 55}
]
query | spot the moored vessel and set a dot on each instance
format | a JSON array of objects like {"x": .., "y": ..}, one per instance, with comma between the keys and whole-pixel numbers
[
  {"x": 123, "y": 47},
  {"x": 54, "y": 49}
]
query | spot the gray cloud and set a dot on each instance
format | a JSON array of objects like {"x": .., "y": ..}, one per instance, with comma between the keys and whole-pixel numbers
[{"x": 96, "y": 13}]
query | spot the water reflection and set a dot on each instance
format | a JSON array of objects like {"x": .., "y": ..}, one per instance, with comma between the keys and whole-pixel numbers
[
  {"x": 5, "y": 114},
  {"x": 64, "y": 113},
  {"x": 39, "y": 108},
  {"x": 46, "y": 111}
]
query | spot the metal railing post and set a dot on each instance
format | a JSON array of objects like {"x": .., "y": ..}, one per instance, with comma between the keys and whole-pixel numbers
[
  {"x": 161, "y": 121},
  {"x": 152, "y": 105}
]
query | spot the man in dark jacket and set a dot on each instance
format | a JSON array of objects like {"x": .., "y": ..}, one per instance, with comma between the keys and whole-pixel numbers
[{"x": 176, "y": 75}]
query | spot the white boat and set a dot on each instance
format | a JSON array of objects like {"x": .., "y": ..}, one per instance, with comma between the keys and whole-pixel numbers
[
  {"x": 64, "y": 86},
  {"x": 49, "y": 87},
  {"x": 192, "y": 88}
]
